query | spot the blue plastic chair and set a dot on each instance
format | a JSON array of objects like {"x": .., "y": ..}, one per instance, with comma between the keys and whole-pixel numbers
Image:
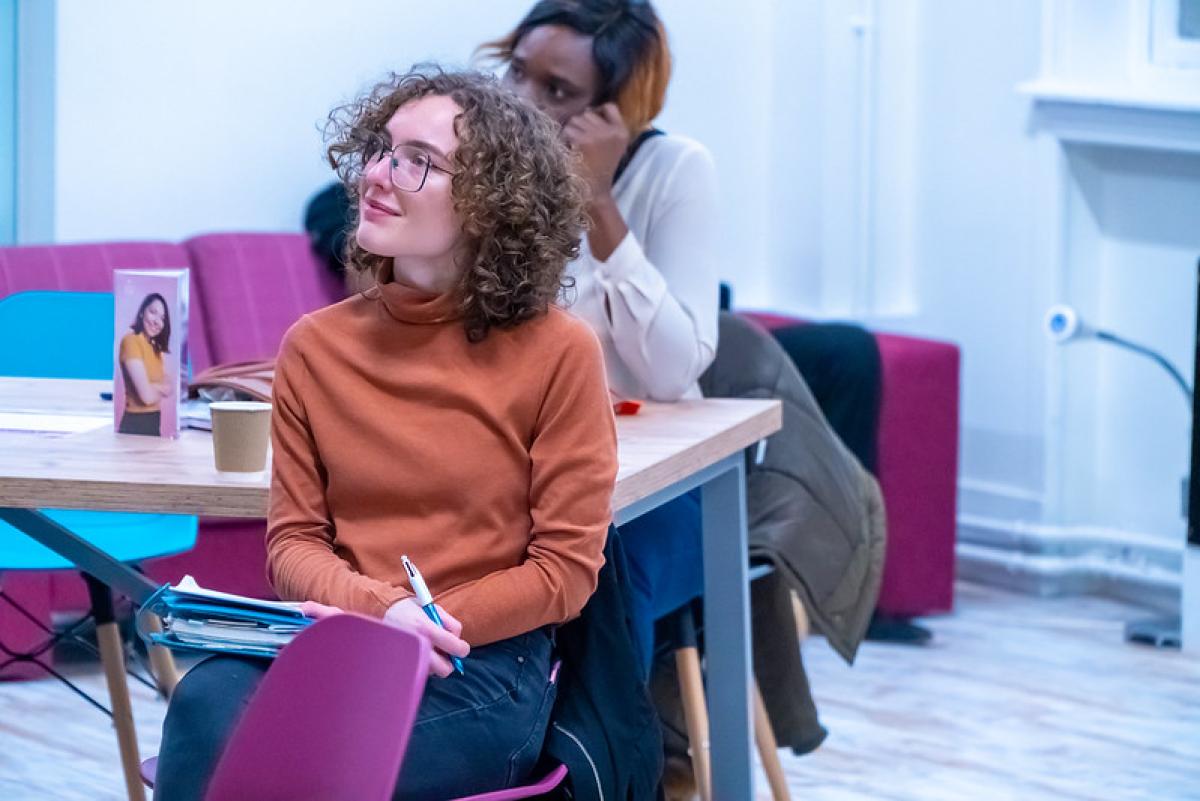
[{"x": 70, "y": 335}]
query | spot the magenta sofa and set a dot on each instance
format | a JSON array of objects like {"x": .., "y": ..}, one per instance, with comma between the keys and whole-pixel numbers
[
  {"x": 918, "y": 468},
  {"x": 247, "y": 288}
]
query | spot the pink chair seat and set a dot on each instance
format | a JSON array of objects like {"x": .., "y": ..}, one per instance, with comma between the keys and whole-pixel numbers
[{"x": 331, "y": 720}]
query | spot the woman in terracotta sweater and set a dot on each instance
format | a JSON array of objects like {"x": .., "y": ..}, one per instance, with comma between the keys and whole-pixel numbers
[{"x": 452, "y": 413}]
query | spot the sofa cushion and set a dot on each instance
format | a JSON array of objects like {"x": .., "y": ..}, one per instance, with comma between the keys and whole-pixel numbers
[
  {"x": 254, "y": 286},
  {"x": 89, "y": 267}
]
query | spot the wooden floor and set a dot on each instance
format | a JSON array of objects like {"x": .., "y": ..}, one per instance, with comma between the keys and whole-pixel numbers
[{"x": 1017, "y": 698}]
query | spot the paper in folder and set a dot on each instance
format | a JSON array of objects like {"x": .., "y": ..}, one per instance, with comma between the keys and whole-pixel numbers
[{"x": 199, "y": 619}]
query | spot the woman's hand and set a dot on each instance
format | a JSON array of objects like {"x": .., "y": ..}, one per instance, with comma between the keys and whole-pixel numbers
[
  {"x": 600, "y": 136},
  {"x": 318, "y": 611},
  {"x": 409, "y": 615},
  {"x": 164, "y": 389}
]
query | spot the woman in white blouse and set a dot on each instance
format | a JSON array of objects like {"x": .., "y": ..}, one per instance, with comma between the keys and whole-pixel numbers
[{"x": 646, "y": 279}]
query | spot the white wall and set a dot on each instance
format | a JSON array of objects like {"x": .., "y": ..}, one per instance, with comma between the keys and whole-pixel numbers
[
  {"x": 963, "y": 230},
  {"x": 1135, "y": 275},
  {"x": 982, "y": 212},
  {"x": 178, "y": 118},
  {"x": 953, "y": 219}
]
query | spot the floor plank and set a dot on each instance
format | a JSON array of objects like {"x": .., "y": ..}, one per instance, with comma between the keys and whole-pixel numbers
[{"x": 1017, "y": 698}]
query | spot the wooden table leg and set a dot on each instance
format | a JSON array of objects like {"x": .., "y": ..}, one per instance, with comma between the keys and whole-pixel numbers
[{"x": 112, "y": 655}]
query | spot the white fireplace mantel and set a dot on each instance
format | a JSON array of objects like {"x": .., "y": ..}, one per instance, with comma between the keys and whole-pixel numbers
[{"x": 1081, "y": 114}]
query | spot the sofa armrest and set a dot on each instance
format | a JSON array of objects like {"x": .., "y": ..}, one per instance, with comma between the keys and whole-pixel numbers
[{"x": 918, "y": 470}]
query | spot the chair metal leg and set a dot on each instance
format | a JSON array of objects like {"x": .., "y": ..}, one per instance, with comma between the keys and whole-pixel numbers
[
  {"x": 113, "y": 657},
  {"x": 768, "y": 749}
]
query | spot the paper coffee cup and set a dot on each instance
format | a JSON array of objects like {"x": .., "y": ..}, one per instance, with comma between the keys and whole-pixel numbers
[{"x": 240, "y": 432}]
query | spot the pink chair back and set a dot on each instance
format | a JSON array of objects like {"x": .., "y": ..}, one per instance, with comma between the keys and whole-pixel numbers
[
  {"x": 332, "y": 717},
  {"x": 89, "y": 267},
  {"x": 254, "y": 286}
]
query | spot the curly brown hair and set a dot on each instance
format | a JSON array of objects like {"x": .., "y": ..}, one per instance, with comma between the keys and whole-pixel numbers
[{"x": 515, "y": 188}]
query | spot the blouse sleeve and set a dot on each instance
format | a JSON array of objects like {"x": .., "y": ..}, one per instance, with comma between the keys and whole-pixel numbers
[{"x": 661, "y": 293}]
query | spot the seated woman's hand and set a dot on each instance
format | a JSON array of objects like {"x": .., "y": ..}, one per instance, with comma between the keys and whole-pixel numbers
[
  {"x": 409, "y": 615},
  {"x": 318, "y": 611}
]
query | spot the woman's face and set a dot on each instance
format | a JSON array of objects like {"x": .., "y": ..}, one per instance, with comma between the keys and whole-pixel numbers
[
  {"x": 417, "y": 229},
  {"x": 552, "y": 67},
  {"x": 153, "y": 317}
]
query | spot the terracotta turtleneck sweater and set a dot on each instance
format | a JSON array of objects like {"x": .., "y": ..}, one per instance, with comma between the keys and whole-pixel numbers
[{"x": 490, "y": 464}]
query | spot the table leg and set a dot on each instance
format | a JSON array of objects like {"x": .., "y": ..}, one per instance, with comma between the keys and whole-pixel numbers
[
  {"x": 727, "y": 631},
  {"x": 112, "y": 655}
]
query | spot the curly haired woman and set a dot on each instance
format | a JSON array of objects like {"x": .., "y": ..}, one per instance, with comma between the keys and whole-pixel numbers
[{"x": 453, "y": 414}]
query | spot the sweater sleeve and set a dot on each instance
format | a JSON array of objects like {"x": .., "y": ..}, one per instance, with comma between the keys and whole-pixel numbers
[
  {"x": 301, "y": 561},
  {"x": 573, "y": 468},
  {"x": 661, "y": 293}
]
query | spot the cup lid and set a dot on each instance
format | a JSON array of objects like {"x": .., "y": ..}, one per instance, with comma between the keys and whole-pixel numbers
[{"x": 239, "y": 406}]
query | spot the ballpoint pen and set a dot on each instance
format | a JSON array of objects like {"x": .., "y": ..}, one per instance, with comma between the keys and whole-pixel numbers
[{"x": 426, "y": 602}]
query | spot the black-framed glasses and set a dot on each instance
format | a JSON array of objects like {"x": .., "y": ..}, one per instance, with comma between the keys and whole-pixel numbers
[{"x": 408, "y": 165}]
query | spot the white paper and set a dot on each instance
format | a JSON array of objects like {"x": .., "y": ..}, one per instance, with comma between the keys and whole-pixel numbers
[
  {"x": 188, "y": 584},
  {"x": 51, "y": 423}
]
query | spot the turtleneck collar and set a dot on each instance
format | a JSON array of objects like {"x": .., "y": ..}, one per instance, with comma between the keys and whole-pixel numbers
[{"x": 411, "y": 305}]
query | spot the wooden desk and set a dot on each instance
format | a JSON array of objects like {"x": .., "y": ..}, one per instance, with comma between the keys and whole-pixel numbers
[{"x": 665, "y": 451}]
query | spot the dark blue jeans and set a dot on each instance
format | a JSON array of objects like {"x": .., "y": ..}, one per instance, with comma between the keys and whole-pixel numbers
[
  {"x": 475, "y": 733},
  {"x": 666, "y": 565}
]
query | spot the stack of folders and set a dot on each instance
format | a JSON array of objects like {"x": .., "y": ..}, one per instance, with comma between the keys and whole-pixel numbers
[{"x": 197, "y": 619}]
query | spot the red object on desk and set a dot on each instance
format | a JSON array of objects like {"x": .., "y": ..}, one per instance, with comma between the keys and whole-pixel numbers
[{"x": 626, "y": 407}]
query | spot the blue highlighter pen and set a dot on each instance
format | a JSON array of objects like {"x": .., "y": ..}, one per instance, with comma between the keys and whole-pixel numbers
[{"x": 426, "y": 602}]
